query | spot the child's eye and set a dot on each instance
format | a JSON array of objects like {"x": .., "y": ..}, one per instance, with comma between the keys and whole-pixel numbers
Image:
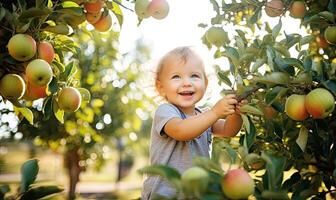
[
  {"x": 195, "y": 76},
  {"x": 175, "y": 77}
]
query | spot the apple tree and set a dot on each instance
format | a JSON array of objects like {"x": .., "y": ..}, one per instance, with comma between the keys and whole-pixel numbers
[{"x": 287, "y": 143}]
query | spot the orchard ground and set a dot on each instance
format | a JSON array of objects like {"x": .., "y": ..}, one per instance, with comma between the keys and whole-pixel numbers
[{"x": 93, "y": 184}]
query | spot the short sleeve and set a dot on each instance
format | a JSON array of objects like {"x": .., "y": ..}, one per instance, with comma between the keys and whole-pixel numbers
[{"x": 163, "y": 114}]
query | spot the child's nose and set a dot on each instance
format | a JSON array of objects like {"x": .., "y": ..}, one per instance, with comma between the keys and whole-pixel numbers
[{"x": 186, "y": 82}]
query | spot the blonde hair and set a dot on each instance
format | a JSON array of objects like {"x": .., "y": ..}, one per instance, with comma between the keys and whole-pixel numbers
[{"x": 183, "y": 54}]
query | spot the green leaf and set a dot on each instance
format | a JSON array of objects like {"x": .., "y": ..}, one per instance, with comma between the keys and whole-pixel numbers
[
  {"x": 250, "y": 135},
  {"x": 58, "y": 113},
  {"x": 53, "y": 87},
  {"x": 274, "y": 94},
  {"x": 207, "y": 164},
  {"x": 70, "y": 69},
  {"x": 330, "y": 85},
  {"x": 47, "y": 108},
  {"x": 302, "y": 139},
  {"x": 34, "y": 13},
  {"x": 39, "y": 192},
  {"x": 29, "y": 171},
  {"x": 2, "y": 12},
  {"x": 251, "y": 110},
  {"x": 166, "y": 172},
  {"x": 306, "y": 39},
  {"x": 223, "y": 77},
  {"x": 118, "y": 13},
  {"x": 27, "y": 113},
  {"x": 270, "y": 56},
  {"x": 276, "y": 29},
  {"x": 275, "y": 166},
  {"x": 328, "y": 16},
  {"x": 86, "y": 96},
  {"x": 257, "y": 64}
]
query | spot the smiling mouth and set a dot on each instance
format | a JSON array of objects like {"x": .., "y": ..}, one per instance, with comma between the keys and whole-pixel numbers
[{"x": 186, "y": 93}]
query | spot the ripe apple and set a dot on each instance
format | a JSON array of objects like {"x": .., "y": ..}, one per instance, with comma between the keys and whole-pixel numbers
[
  {"x": 141, "y": 8},
  {"x": 216, "y": 36},
  {"x": 12, "y": 86},
  {"x": 254, "y": 161},
  {"x": 34, "y": 92},
  {"x": 158, "y": 9},
  {"x": 39, "y": 72},
  {"x": 233, "y": 124},
  {"x": 320, "y": 103},
  {"x": 237, "y": 184},
  {"x": 274, "y": 8},
  {"x": 269, "y": 112},
  {"x": 195, "y": 181},
  {"x": 104, "y": 23},
  {"x": 297, "y": 9},
  {"x": 69, "y": 99},
  {"x": 322, "y": 42},
  {"x": 22, "y": 47},
  {"x": 295, "y": 107},
  {"x": 46, "y": 51},
  {"x": 330, "y": 34},
  {"x": 94, "y": 6},
  {"x": 93, "y": 18}
]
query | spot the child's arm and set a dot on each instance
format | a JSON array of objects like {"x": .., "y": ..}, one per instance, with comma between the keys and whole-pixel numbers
[{"x": 192, "y": 127}]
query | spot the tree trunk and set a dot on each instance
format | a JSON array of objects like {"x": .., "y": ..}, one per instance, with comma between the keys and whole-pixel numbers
[{"x": 71, "y": 162}]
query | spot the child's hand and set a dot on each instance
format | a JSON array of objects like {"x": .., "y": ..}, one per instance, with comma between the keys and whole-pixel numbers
[
  {"x": 240, "y": 103},
  {"x": 226, "y": 106}
]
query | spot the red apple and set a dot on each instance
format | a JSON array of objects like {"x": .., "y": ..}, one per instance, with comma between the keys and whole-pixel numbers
[
  {"x": 237, "y": 184},
  {"x": 295, "y": 107},
  {"x": 274, "y": 8},
  {"x": 12, "y": 86},
  {"x": 39, "y": 72},
  {"x": 158, "y": 9},
  {"x": 233, "y": 124},
  {"x": 320, "y": 103},
  {"x": 46, "y": 51},
  {"x": 93, "y": 18},
  {"x": 69, "y": 99},
  {"x": 22, "y": 47},
  {"x": 297, "y": 9},
  {"x": 104, "y": 23},
  {"x": 94, "y": 6},
  {"x": 34, "y": 92}
]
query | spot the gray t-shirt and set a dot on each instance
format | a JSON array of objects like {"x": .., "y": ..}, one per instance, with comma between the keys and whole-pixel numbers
[{"x": 168, "y": 151}]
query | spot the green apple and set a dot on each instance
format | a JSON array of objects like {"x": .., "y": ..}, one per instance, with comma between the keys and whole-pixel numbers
[
  {"x": 216, "y": 36},
  {"x": 39, "y": 72},
  {"x": 22, "y": 47},
  {"x": 12, "y": 86},
  {"x": 69, "y": 99},
  {"x": 195, "y": 181},
  {"x": 141, "y": 8}
]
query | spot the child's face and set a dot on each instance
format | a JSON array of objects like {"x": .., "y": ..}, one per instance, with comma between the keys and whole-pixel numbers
[{"x": 182, "y": 84}]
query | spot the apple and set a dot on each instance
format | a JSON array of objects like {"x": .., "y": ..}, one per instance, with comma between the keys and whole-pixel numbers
[
  {"x": 295, "y": 107},
  {"x": 216, "y": 36},
  {"x": 330, "y": 34},
  {"x": 297, "y": 9},
  {"x": 195, "y": 181},
  {"x": 93, "y": 18},
  {"x": 94, "y": 6},
  {"x": 104, "y": 23},
  {"x": 254, "y": 161},
  {"x": 269, "y": 112},
  {"x": 69, "y": 99},
  {"x": 46, "y": 51},
  {"x": 12, "y": 86},
  {"x": 233, "y": 124},
  {"x": 158, "y": 9},
  {"x": 237, "y": 184},
  {"x": 39, "y": 72},
  {"x": 322, "y": 41},
  {"x": 22, "y": 47},
  {"x": 274, "y": 8},
  {"x": 141, "y": 8},
  {"x": 320, "y": 103},
  {"x": 34, "y": 92}
]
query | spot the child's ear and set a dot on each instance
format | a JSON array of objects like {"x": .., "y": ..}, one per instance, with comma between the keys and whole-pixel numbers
[
  {"x": 206, "y": 82},
  {"x": 159, "y": 88}
]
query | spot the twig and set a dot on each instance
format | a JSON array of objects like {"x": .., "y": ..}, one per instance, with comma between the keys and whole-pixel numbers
[{"x": 117, "y": 2}]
